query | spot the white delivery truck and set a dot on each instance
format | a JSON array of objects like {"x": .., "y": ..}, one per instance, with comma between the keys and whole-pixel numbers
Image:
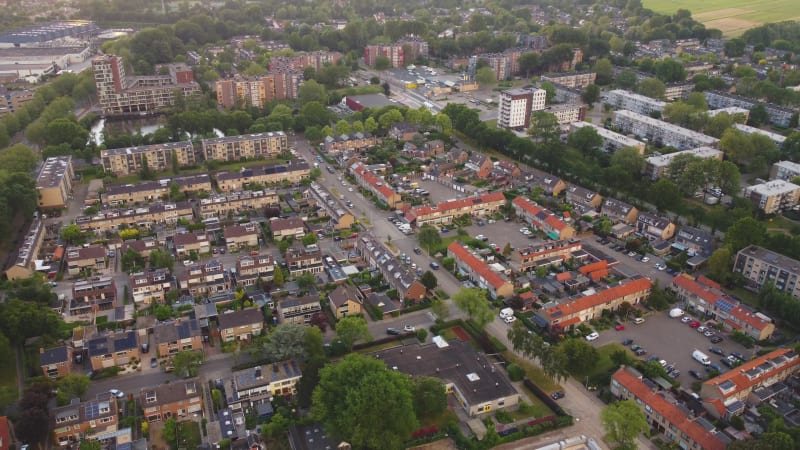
[
  {"x": 701, "y": 357},
  {"x": 506, "y": 312}
]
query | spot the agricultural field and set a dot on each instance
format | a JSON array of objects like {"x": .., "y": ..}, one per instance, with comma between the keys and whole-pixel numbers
[{"x": 733, "y": 17}]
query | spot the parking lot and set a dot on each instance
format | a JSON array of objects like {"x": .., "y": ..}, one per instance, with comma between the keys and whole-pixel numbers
[
  {"x": 501, "y": 233},
  {"x": 673, "y": 341}
]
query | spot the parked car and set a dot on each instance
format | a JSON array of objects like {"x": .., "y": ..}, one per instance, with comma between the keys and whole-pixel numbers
[
  {"x": 696, "y": 375},
  {"x": 557, "y": 395},
  {"x": 635, "y": 347},
  {"x": 726, "y": 362},
  {"x": 627, "y": 342},
  {"x": 509, "y": 319},
  {"x": 619, "y": 327},
  {"x": 640, "y": 352},
  {"x": 738, "y": 356},
  {"x": 716, "y": 350},
  {"x": 694, "y": 324},
  {"x": 417, "y": 250},
  {"x": 687, "y": 319},
  {"x": 645, "y": 259},
  {"x": 702, "y": 329},
  {"x": 434, "y": 265},
  {"x": 116, "y": 393},
  {"x": 444, "y": 229},
  {"x": 674, "y": 374},
  {"x": 153, "y": 362},
  {"x": 409, "y": 328},
  {"x": 393, "y": 331},
  {"x": 708, "y": 333},
  {"x": 716, "y": 339},
  {"x": 592, "y": 336}
]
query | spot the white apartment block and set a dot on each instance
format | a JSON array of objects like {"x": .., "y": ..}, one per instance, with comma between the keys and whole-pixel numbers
[
  {"x": 622, "y": 99},
  {"x": 773, "y": 196},
  {"x": 774, "y": 137},
  {"x": 784, "y": 170},
  {"x": 516, "y": 106},
  {"x": 658, "y": 166},
  {"x": 612, "y": 141},
  {"x": 731, "y": 111},
  {"x": 567, "y": 113},
  {"x": 658, "y": 131}
]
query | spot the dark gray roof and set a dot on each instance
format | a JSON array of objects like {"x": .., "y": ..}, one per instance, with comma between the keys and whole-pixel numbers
[
  {"x": 54, "y": 355},
  {"x": 310, "y": 437},
  {"x": 118, "y": 342},
  {"x": 240, "y": 318},
  {"x": 173, "y": 331}
]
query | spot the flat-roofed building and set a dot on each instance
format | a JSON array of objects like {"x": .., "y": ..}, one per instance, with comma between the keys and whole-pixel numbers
[
  {"x": 773, "y": 196},
  {"x": 176, "y": 400},
  {"x": 784, "y": 170},
  {"x": 247, "y": 146},
  {"x": 158, "y": 157},
  {"x": 304, "y": 259},
  {"x": 677, "y": 91},
  {"x": 567, "y": 113},
  {"x": 658, "y": 166},
  {"x": 759, "y": 265},
  {"x": 25, "y": 262},
  {"x": 658, "y": 131},
  {"x": 516, "y": 105},
  {"x": 54, "y": 182},
  {"x": 612, "y": 141},
  {"x": 257, "y": 92},
  {"x": 12, "y": 101},
  {"x": 778, "y": 115},
  {"x": 237, "y": 203},
  {"x": 573, "y": 80},
  {"x": 778, "y": 139},
  {"x": 299, "y": 310},
  {"x": 92, "y": 295},
  {"x": 293, "y": 172},
  {"x": 143, "y": 216},
  {"x": 641, "y": 104},
  {"x": 741, "y": 114}
]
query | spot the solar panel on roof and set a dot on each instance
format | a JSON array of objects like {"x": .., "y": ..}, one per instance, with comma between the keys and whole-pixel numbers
[{"x": 724, "y": 305}]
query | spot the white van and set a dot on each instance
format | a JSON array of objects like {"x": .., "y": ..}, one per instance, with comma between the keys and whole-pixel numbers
[
  {"x": 506, "y": 312},
  {"x": 638, "y": 320},
  {"x": 701, "y": 357}
]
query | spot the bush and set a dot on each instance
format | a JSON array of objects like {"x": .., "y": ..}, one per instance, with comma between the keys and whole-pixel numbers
[
  {"x": 422, "y": 334},
  {"x": 515, "y": 372}
]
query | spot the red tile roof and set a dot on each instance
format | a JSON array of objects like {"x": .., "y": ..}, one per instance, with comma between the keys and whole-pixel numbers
[
  {"x": 476, "y": 265},
  {"x": 563, "y": 276},
  {"x": 710, "y": 291},
  {"x": 602, "y": 264},
  {"x": 705, "y": 292},
  {"x": 740, "y": 379},
  {"x": 468, "y": 202},
  {"x": 376, "y": 183},
  {"x": 571, "y": 308},
  {"x": 750, "y": 317},
  {"x": 670, "y": 412},
  {"x": 533, "y": 209}
]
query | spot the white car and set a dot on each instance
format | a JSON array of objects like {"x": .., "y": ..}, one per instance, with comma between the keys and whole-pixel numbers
[
  {"x": 350, "y": 189},
  {"x": 480, "y": 237},
  {"x": 645, "y": 259},
  {"x": 509, "y": 319},
  {"x": 592, "y": 336},
  {"x": 409, "y": 328},
  {"x": 187, "y": 262},
  {"x": 116, "y": 393},
  {"x": 524, "y": 230}
]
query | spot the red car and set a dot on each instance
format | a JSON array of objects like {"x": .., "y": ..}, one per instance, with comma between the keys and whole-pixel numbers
[
  {"x": 694, "y": 324},
  {"x": 619, "y": 327}
]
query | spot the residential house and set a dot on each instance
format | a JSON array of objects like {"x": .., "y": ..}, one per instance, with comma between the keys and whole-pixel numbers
[
  {"x": 619, "y": 211},
  {"x": 55, "y": 362},
  {"x": 28, "y": 252},
  {"x": 242, "y": 236},
  {"x": 141, "y": 246},
  {"x": 240, "y": 325},
  {"x": 695, "y": 241},
  {"x": 149, "y": 191},
  {"x": 340, "y": 217},
  {"x": 403, "y": 131},
  {"x": 113, "y": 350},
  {"x": 665, "y": 414},
  {"x": 177, "y": 400},
  {"x": 542, "y": 219},
  {"x": 186, "y": 243},
  {"x": 383, "y": 304},
  {"x": 92, "y": 295},
  {"x": 295, "y": 171},
  {"x": 479, "y": 272},
  {"x": 353, "y": 142},
  {"x": 397, "y": 275},
  {"x": 291, "y": 227},
  {"x": 759, "y": 265},
  {"x": 727, "y": 394},
  {"x": 89, "y": 259},
  {"x": 467, "y": 374},
  {"x": 299, "y": 310},
  {"x": 457, "y": 156},
  {"x": 345, "y": 301},
  {"x": 80, "y": 421},
  {"x": 304, "y": 259},
  {"x": 256, "y": 385},
  {"x": 544, "y": 254},
  {"x": 239, "y": 202},
  {"x": 508, "y": 168},
  {"x": 6, "y": 434},
  {"x": 250, "y": 268},
  {"x": 550, "y": 185},
  {"x": 479, "y": 162},
  {"x": 582, "y": 197},
  {"x": 203, "y": 279},
  {"x": 560, "y": 316},
  {"x": 446, "y": 212},
  {"x": 149, "y": 287},
  {"x": 654, "y": 226},
  {"x": 178, "y": 335},
  {"x": 371, "y": 182},
  {"x": 144, "y": 216}
]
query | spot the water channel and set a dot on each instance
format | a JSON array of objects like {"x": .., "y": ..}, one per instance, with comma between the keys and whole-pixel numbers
[{"x": 143, "y": 125}]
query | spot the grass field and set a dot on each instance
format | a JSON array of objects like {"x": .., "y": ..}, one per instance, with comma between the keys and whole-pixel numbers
[{"x": 733, "y": 17}]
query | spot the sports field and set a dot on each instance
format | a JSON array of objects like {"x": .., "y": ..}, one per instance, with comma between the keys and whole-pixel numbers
[{"x": 733, "y": 17}]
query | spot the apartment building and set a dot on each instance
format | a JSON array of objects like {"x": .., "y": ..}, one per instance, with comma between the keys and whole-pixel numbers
[
  {"x": 54, "y": 182},
  {"x": 445, "y": 212},
  {"x": 149, "y": 191},
  {"x": 705, "y": 296},
  {"x": 778, "y": 139},
  {"x": 345, "y": 301},
  {"x": 80, "y": 421},
  {"x": 186, "y": 243},
  {"x": 292, "y": 172},
  {"x": 561, "y": 315},
  {"x": 151, "y": 287},
  {"x": 242, "y": 236},
  {"x": 25, "y": 263},
  {"x": 729, "y": 393},
  {"x": 283, "y": 228},
  {"x": 356, "y": 142},
  {"x": 89, "y": 259},
  {"x": 640, "y": 104},
  {"x": 398, "y": 275},
  {"x": 759, "y": 265},
  {"x": 784, "y": 170},
  {"x": 234, "y": 203},
  {"x": 516, "y": 105},
  {"x": 300, "y": 61},
  {"x": 612, "y": 141},
  {"x": 92, "y": 295},
  {"x": 250, "y": 268},
  {"x": 545, "y": 254},
  {"x": 372, "y": 183},
  {"x": 247, "y": 146},
  {"x": 479, "y": 272},
  {"x": 660, "y": 132},
  {"x": 740, "y": 115},
  {"x": 56, "y": 362},
  {"x": 773, "y": 196},
  {"x": 256, "y": 385},
  {"x": 655, "y": 227},
  {"x": 177, "y": 400},
  {"x": 665, "y": 414},
  {"x": 157, "y": 157},
  {"x": 657, "y": 166},
  {"x": 403, "y": 52},
  {"x": 143, "y": 216},
  {"x": 583, "y": 198},
  {"x": 205, "y": 279},
  {"x": 567, "y": 113},
  {"x": 575, "y": 80},
  {"x": 778, "y": 115},
  {"x": 113, "y": 349},
  {"x": 677, "y": 91},
  {"x": 177, "y": 335},
  {"x": 120, "y": 94},
  {"x": 566, "y": 94},
  {"x": 303, "y": 259},
  {"x": 299, "y": 310},
  {"x": 240, "y": 325},
  {"x": 257, "y": 92},
  {"x": 542, "y": 219},
  {"x": 619, "y": 211}
]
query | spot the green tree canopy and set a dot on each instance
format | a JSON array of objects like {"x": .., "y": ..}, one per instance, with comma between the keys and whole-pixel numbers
[
  {"x": 473, "y": 302},
  {"x": 18, "y": 158},
  {"x": 71, "y": 386},
  {"x": 430, "y": 397},
  {"x": 351, "y": 329},
  {"x": 187, "y": 363},
  {"x": 429, "y": 237},
  {"x": 624, "y": 421}
]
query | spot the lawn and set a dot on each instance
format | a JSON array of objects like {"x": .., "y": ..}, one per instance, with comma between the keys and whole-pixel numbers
[
  {"x": 533, "y": 408},
  {"x": 733, "y": 17},
  {"x": 534, "y": 373},
  {"x": 604, "y": 364}
]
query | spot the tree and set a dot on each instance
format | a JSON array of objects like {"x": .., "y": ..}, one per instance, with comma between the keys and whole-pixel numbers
[
  {"x": 545, "y": 128},
  {"x": 581, "y": 356},
  {"x": 311, "y": 91},
  {"x": 585, "y": 139},
  {"x": 737, "y": 146},
  {"x": 90, "y": 444},
  {"x": 351, "y": 329},
  {"x": 623, "y": 422},
  {"x": 309, "y": 239},
  {"x": 382, "y": 62},
  {"x": 758, "y": 116},
  {"x": 550, "y": 91},
  {"x": 719, "y": 264},
  {"x": 429, "y": 280},
  {"x": 306, "y": 281},
  {"x": 343, "y": 127},
  {"x": 766, "y": 441},
  {"x": 440, "y": 308},
  {"x": 286, "y": 341},
  {"x": 187, "y": 363},
  {"x": 72, "y": 234},
  {"x": 734, "y": 47},
  {"x": 22, "y": 319},
  {"x": 18, "y": 158},
  {"x": 33, "y": 414},
  {"x": 370, "y": 125},
  {"x": 444, "y": 124},
  {"x": 429, "y": 237},
  {"x": 278, "y": 277},
  {"x": 665, "y": 195},
  {"x": 473, "y": 302},
  {"x": 132, "y": 261},
  {"x": 745, "y": 231},
  {"x": 652, "y": 87},
  {"x": 626, "y": 80},
  {"x": 162, "y": 259},
  {"x": 389, "y": 118},
  {"x": 359, "y": 401},
  {"x": 670, "y": 71},
  {"x": 485, "y": 76},
  {"x": 430, "y": 397},
  {"x": 71, "y": 386},
  {"x": 591, "y": 94},
  {"x": 605, "y": 71}
]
